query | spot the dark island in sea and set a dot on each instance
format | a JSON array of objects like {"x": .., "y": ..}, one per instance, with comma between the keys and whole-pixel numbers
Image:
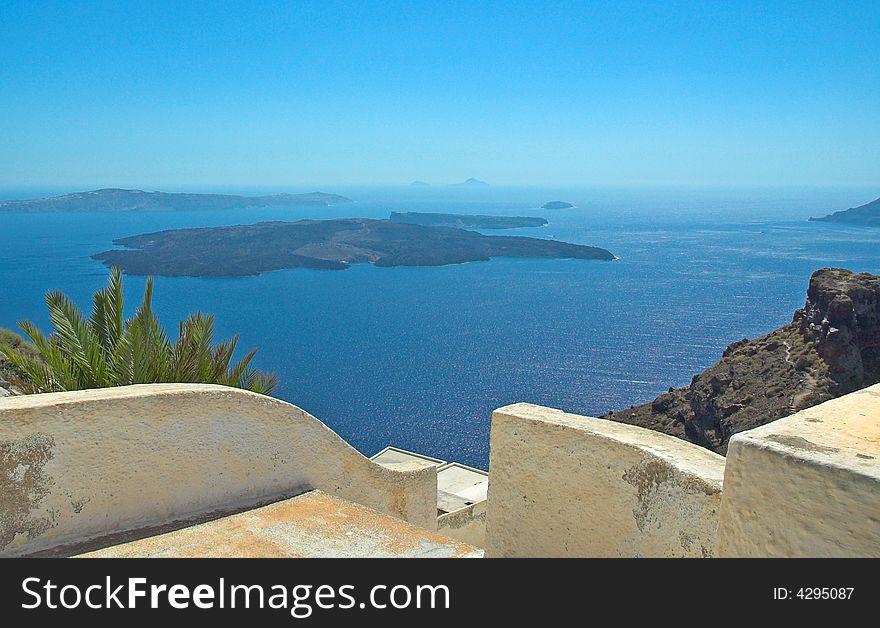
[
  {"x": 556, "y": 205},
  {"x": 831, "y": 347},
  {"x": 867, "y": 214},
  {"x": 119, "y": 200},
  {"x": 467, "y": 221},
  {"x": 245, "y": 250}
]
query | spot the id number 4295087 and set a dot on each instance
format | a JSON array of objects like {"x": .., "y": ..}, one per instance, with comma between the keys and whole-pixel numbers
[{"x": 813, "y": 593}]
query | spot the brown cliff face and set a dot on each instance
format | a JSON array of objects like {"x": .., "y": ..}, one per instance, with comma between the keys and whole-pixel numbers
[
  {"x": 831, "y": 347},
  {"x": 842, "y": 315}
]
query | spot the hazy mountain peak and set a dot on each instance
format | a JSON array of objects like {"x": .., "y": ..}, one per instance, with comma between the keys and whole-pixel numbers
[{"x": 472, "y": 182}]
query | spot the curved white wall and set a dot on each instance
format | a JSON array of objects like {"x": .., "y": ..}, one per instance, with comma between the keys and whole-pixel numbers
[{"x": 81, "y": 465}]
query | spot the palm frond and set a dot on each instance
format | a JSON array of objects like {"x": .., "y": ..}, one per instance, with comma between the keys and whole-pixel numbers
[{"x": 105, "y": 349}]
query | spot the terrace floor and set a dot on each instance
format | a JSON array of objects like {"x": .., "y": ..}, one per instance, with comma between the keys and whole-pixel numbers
[{"x": 311, "y": 525}]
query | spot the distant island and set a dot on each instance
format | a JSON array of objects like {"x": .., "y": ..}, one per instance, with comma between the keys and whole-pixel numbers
[
  {"x": 470, "y": 183},
  {"x": 246, "y": 250},
  {"x": 473, "y": 183},
  {"x": 556, "y": 205},
  {"x": 467, "y": 221},
  {"x": 868, "y": 214},
  {"x": 120, "y": 200}
]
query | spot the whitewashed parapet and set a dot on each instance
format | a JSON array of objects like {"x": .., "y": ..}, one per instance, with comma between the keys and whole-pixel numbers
[
  {"x": 467, "y": 524},
  {"x": 82, "y": 465},
  {"x": 569, "y": 485},
  {"x": 807, "y": 485}
]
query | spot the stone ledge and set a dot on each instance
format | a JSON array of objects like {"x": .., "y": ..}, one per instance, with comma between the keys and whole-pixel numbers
[
  {"x": 569, "y": 485},
  {"x": 807, "y": 485}
]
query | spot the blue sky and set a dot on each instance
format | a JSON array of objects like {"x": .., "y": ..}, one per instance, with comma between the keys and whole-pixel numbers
[{"x": 293, "y": 93}]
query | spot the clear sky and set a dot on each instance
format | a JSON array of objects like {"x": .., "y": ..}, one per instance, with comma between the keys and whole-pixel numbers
[{"x": 289, "y": 93}]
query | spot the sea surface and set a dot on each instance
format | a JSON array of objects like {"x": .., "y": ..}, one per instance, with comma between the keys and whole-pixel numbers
[{"x": 419, "y": 357}]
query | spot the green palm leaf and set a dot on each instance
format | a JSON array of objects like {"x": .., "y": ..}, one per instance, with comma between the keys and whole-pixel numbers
[{"x": 105, "y": 349}]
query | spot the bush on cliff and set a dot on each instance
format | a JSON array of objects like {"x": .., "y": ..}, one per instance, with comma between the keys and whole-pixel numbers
[
  {"x": 10, "y": 376},
  {"x": 107, "y": 350}
]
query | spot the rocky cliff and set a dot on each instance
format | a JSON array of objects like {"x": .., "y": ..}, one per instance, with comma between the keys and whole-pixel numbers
[{"x": 831, "y": 347}]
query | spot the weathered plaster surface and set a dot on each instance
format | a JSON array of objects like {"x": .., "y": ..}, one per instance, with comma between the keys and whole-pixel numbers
[
  {"x": 806, "y": 485},
  {"x": 80, "y": 465},
  {"x": 467, "y": 524},
  {"x": 568, "y": 485},
  {"x": 313, "y": 525},
  {"x": 24, "y": 485}
]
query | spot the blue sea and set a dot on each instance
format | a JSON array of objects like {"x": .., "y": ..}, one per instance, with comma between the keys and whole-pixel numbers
[{"x": 419, "y": 357}]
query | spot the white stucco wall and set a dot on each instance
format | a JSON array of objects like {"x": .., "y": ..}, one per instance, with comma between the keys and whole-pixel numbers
[
  {"x": 467, "y": 524},
  {"x": 568, "y": 485},
  {"x": 807, "y": 485},
  {"x": 81, "y": 465}
]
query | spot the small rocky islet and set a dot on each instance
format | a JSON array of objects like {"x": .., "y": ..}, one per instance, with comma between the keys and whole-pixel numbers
[{"x": 557, "y": 205}]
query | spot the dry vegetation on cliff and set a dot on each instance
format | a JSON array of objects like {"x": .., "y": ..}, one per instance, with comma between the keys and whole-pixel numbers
[
  {"x": 10, "y": 376},
  {"x": 829, "y": 349}
]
